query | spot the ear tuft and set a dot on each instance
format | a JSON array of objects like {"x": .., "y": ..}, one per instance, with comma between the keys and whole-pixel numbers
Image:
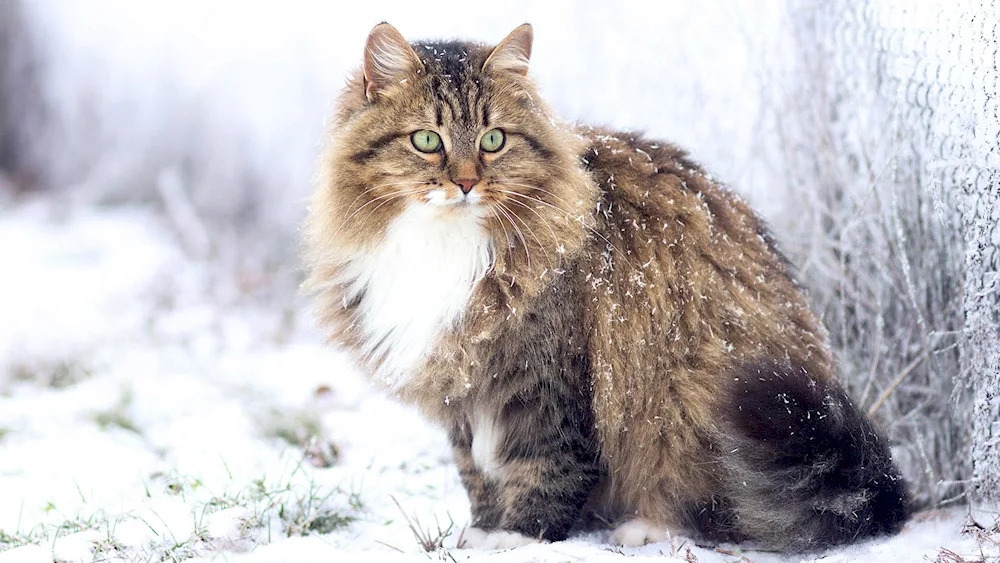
[
  {"x": 389, "y": 60},
  {"x": 513, "y": 53}
]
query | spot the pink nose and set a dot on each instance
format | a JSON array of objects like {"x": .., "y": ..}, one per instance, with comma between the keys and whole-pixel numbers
[{"x": 467, "y": 184}]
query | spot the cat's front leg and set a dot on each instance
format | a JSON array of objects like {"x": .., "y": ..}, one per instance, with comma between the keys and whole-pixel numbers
[
  {"x": 485, "y": 504},
  {"x": 537, "y": 455}
]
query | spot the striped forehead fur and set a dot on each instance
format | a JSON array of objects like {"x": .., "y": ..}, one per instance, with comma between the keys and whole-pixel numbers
[{"x": 456, "y": 83}]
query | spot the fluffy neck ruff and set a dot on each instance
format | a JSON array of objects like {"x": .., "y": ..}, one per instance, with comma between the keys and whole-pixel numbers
[{"x": 415, "y": 286}]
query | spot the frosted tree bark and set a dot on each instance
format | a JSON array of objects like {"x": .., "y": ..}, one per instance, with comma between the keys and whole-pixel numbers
[{"x": 981, "y": 346}]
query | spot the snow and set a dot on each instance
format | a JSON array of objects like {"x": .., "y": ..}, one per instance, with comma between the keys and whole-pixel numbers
[{"x": 140, "y": 418}]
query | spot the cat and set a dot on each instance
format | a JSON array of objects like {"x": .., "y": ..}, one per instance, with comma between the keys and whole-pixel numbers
[{"x": 605, "y": 332}]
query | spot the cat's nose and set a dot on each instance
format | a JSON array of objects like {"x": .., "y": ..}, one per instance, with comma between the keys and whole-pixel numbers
[{"x": 467, "y": 184}]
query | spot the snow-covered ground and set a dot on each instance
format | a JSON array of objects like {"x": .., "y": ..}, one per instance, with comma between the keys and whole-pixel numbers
[{"x": 148, "y": 412}]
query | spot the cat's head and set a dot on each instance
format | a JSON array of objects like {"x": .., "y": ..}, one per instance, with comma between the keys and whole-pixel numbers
[{"x": 457, "y": 127}]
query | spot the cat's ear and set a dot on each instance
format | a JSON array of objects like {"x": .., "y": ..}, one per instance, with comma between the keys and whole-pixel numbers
[
  {"x": 513, "y": 53},
  {"x": 389, "y": 60}
]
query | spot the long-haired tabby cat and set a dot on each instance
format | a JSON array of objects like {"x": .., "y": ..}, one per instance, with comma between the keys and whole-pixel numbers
[{"x": 602, "y": 329}]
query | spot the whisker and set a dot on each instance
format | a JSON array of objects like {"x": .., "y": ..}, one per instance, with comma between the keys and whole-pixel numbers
[
  {"x": 570, "y": 216},
  {"x": 555, "y": 237},
  {"x": 506, "y": 235},
  {"x": 530, "y": 231},
  {"x": 382, "y": 197},
  {"x": 392, "y": 197},
  {"x": 570, "y": 171},
  {"x": 517, "y": 230},
  {"x": 386, "y": 185},
  {"x": 385, "y": 198},
  {"x": 524, "y": 242},
  {"x": 562, "y": 200}
]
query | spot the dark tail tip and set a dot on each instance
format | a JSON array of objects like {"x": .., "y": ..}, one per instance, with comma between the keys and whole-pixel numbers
[{"x": 804, "y": 468}]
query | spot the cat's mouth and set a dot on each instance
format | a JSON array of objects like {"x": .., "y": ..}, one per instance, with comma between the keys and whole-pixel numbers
[{"x": 456, "y": 199}]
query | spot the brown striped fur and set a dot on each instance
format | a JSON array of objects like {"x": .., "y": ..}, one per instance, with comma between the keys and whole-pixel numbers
[{"x": 628, "y": 290}]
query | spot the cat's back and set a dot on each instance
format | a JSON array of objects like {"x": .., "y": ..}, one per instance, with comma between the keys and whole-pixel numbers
[
  {"x": 675, "y": 253},
  {"x": 648, "y": 183}
]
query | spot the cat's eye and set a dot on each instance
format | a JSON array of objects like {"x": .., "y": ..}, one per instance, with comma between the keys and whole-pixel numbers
[
  {"x": 426, "y": 140},
  {"x": 492, "y": 141}
]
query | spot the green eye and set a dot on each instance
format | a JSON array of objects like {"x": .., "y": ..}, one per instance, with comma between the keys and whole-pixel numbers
[
  {"x": 492, "y": 141},
  {"x": 426, "y": 140}
]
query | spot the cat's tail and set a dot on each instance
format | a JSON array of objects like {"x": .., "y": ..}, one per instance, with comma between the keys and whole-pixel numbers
[{"x": 804, "y": 468}]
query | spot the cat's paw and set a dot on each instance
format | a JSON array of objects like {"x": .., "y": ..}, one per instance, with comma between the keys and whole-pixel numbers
[
  {"x": 638, "y": 532},
  {"x": 477, "y": 538}
]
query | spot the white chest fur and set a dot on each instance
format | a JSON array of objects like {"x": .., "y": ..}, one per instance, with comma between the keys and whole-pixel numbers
[{"x": 417, "y": 284}]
